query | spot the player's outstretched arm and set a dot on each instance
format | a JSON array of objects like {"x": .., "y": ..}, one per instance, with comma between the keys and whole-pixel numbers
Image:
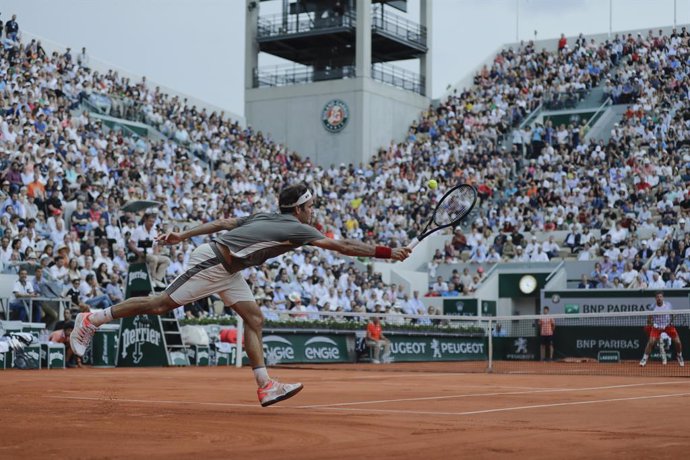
[
  {"x": 357, "y": 248},
  {"x": 203, "y": 229}
]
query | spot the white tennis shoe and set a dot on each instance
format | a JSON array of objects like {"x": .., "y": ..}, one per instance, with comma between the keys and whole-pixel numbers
[
  {"x": 82, "y": 334},
  {"x": 274, "y": 392},
  {"x": 681, "y": 363},
  {"x": 643, "y": 362}
]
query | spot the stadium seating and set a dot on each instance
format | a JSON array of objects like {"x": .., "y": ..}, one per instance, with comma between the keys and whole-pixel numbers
[{"x": 543, "y": 182}]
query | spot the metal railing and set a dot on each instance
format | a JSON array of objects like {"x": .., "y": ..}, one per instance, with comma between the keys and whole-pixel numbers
[
  {"x": 532, "y": 116},
  {"x": 563, "y": 100},
  {"x": 397, "y": 26},
  {"x": 99, "y": 113},
  {"x": 600, "y": 111},
  {"x": 297, "y": 75},
  {"x": 398, "y": 77},
  {"x": 278, "y": 25}
]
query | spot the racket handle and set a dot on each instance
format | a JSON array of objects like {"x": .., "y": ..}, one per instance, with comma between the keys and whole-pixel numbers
[{"x": 412, "y": 244}]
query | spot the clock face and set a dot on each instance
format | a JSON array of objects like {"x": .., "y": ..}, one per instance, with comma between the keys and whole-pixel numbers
[{"x": 528, "y": 284}]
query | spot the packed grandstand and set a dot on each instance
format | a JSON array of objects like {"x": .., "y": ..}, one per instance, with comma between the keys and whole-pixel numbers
[{"x": 547, "y": 191}]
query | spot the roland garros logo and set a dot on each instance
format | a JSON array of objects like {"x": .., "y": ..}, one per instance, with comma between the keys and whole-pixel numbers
[{"x": 335, "y": 115}]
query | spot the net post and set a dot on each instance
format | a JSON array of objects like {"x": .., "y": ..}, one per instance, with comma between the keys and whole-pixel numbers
[
  {"x": 489, "y": 369},
  {"x": 238, "y": 343}
]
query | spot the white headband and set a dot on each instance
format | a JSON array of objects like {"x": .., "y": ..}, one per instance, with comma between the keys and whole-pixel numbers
[{"x": 306, "y": 196}]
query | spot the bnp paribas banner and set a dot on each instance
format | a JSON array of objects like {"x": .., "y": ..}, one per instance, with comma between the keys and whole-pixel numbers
[
  {"x": 438, "y": 348},
  {"x": 307, "y": 348},
  {"x": 574, "y": 301},
  {"x": 588, "y": 341}
]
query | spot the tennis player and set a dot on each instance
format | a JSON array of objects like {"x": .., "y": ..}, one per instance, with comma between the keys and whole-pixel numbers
[
  {"x": 215, "y": 268},
  {"x": 661, "y": 322}
]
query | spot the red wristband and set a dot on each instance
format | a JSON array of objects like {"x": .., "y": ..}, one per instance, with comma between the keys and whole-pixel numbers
[{"x": 383, "y": 252}]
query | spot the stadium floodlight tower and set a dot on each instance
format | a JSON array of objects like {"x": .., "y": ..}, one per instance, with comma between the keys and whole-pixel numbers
[{"x": 339, "y": 98}]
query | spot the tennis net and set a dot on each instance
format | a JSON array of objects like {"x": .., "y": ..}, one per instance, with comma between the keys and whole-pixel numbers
[{"x": 603, "y": 344}]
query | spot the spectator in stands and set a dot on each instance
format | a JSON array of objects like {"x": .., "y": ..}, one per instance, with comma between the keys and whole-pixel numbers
[
  {"x": 539, "y": 255},
  {"x": 23, "y": 290},
  {"x": 74, "y": 293},
  {"x": 520, "y": 255},
  {"x": 93, "y": 294},
  {"x": 585, "y": 283},
  {"x": 452, "y": 290},
  {"x": 551, "y": 248},
  {"x": 42, "y": 288},
  {"x": 12, "y": 28},
  {"x": 83, "y": 59},
  {"x": 114, "y": 289},
  {"x": 657, "y": 282},
  {"x": 498, "y": 331},
  {"x": 674, "y": 283},
  {"x": 629, "y": 275},
  {"x": 156, "y": 262},
  {"x": 604, "y": 282},
  {"x": 178, "y": 267},
  {"x": 414, "y": 306},
  {"x": 440, "y": 286},
  {"x": 377, "y": 341},
  {"x": 585, "y": 178}
]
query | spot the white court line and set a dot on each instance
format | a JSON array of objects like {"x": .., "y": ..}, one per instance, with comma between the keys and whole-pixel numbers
[
  {"x": 507, "y": 393},
  {"x": 502, "y": 409},
  {"x": 153, "y": 401},
  {"x": 388, "y": 411}
]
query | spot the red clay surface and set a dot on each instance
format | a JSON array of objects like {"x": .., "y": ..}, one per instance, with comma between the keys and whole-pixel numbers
[{"x": 345, "y": 412}]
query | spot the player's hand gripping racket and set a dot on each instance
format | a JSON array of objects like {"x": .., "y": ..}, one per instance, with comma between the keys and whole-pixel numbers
[{"x": 454, "y": 206}]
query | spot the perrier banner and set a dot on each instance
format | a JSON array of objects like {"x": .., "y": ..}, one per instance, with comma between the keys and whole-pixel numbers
[
  {"x": 141, "y": 342},
  {"x": 138, "y": 281}
]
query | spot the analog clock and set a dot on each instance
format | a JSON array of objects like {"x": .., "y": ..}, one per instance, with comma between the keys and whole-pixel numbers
[{"x": 528, "y": 284}]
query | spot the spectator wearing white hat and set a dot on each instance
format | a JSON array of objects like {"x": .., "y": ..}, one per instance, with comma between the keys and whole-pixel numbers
[{"x": 657, "y": 282}]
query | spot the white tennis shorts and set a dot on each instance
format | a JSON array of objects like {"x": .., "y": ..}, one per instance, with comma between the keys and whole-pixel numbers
[{"x": 206, "y": 275}]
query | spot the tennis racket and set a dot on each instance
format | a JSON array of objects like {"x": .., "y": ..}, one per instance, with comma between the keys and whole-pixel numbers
[{"x": 453, "y": 207}]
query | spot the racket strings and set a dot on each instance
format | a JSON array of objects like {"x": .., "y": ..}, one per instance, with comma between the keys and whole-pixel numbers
[{"x": 454, "y": 206}]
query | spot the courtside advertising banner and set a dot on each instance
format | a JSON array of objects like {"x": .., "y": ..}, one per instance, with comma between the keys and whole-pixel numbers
[
  {"x": 575, "y": 301},
  {"x": 308, "y": 348},
  {"x": 141, "y": 342},
  {"x": 588, "y": 341},
  {"x": 436, "y": 348}
]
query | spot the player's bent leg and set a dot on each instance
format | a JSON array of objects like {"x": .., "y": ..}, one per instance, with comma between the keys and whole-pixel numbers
[
  {"x": 86, "y": 324},
  {"x": 270, "y": 391},
  {"x": 679, "y": 351},
  {"x": 648, "y": 349},
  {"x": 253, "y": 327}
]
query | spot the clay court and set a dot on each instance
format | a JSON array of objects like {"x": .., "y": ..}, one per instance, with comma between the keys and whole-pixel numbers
[{"x": 357, "y": 411}]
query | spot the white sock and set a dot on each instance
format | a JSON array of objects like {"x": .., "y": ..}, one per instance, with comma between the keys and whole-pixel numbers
[
  {"x": 261, "y": 376},
  {"x": 101, "y": 316},
  {"x": 645, "y": 356}
]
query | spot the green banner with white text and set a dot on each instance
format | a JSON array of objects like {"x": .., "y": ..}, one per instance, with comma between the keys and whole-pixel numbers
[{"x": 436, "y": 348}]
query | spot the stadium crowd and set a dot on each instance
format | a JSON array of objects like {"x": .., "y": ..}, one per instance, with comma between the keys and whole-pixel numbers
[{"x": 65, "y": 178}]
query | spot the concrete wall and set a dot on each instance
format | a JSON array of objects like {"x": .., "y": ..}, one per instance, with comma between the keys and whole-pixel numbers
[
  {"x": 292, "y": 115},
  {"x": 559, "y": 280}
]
